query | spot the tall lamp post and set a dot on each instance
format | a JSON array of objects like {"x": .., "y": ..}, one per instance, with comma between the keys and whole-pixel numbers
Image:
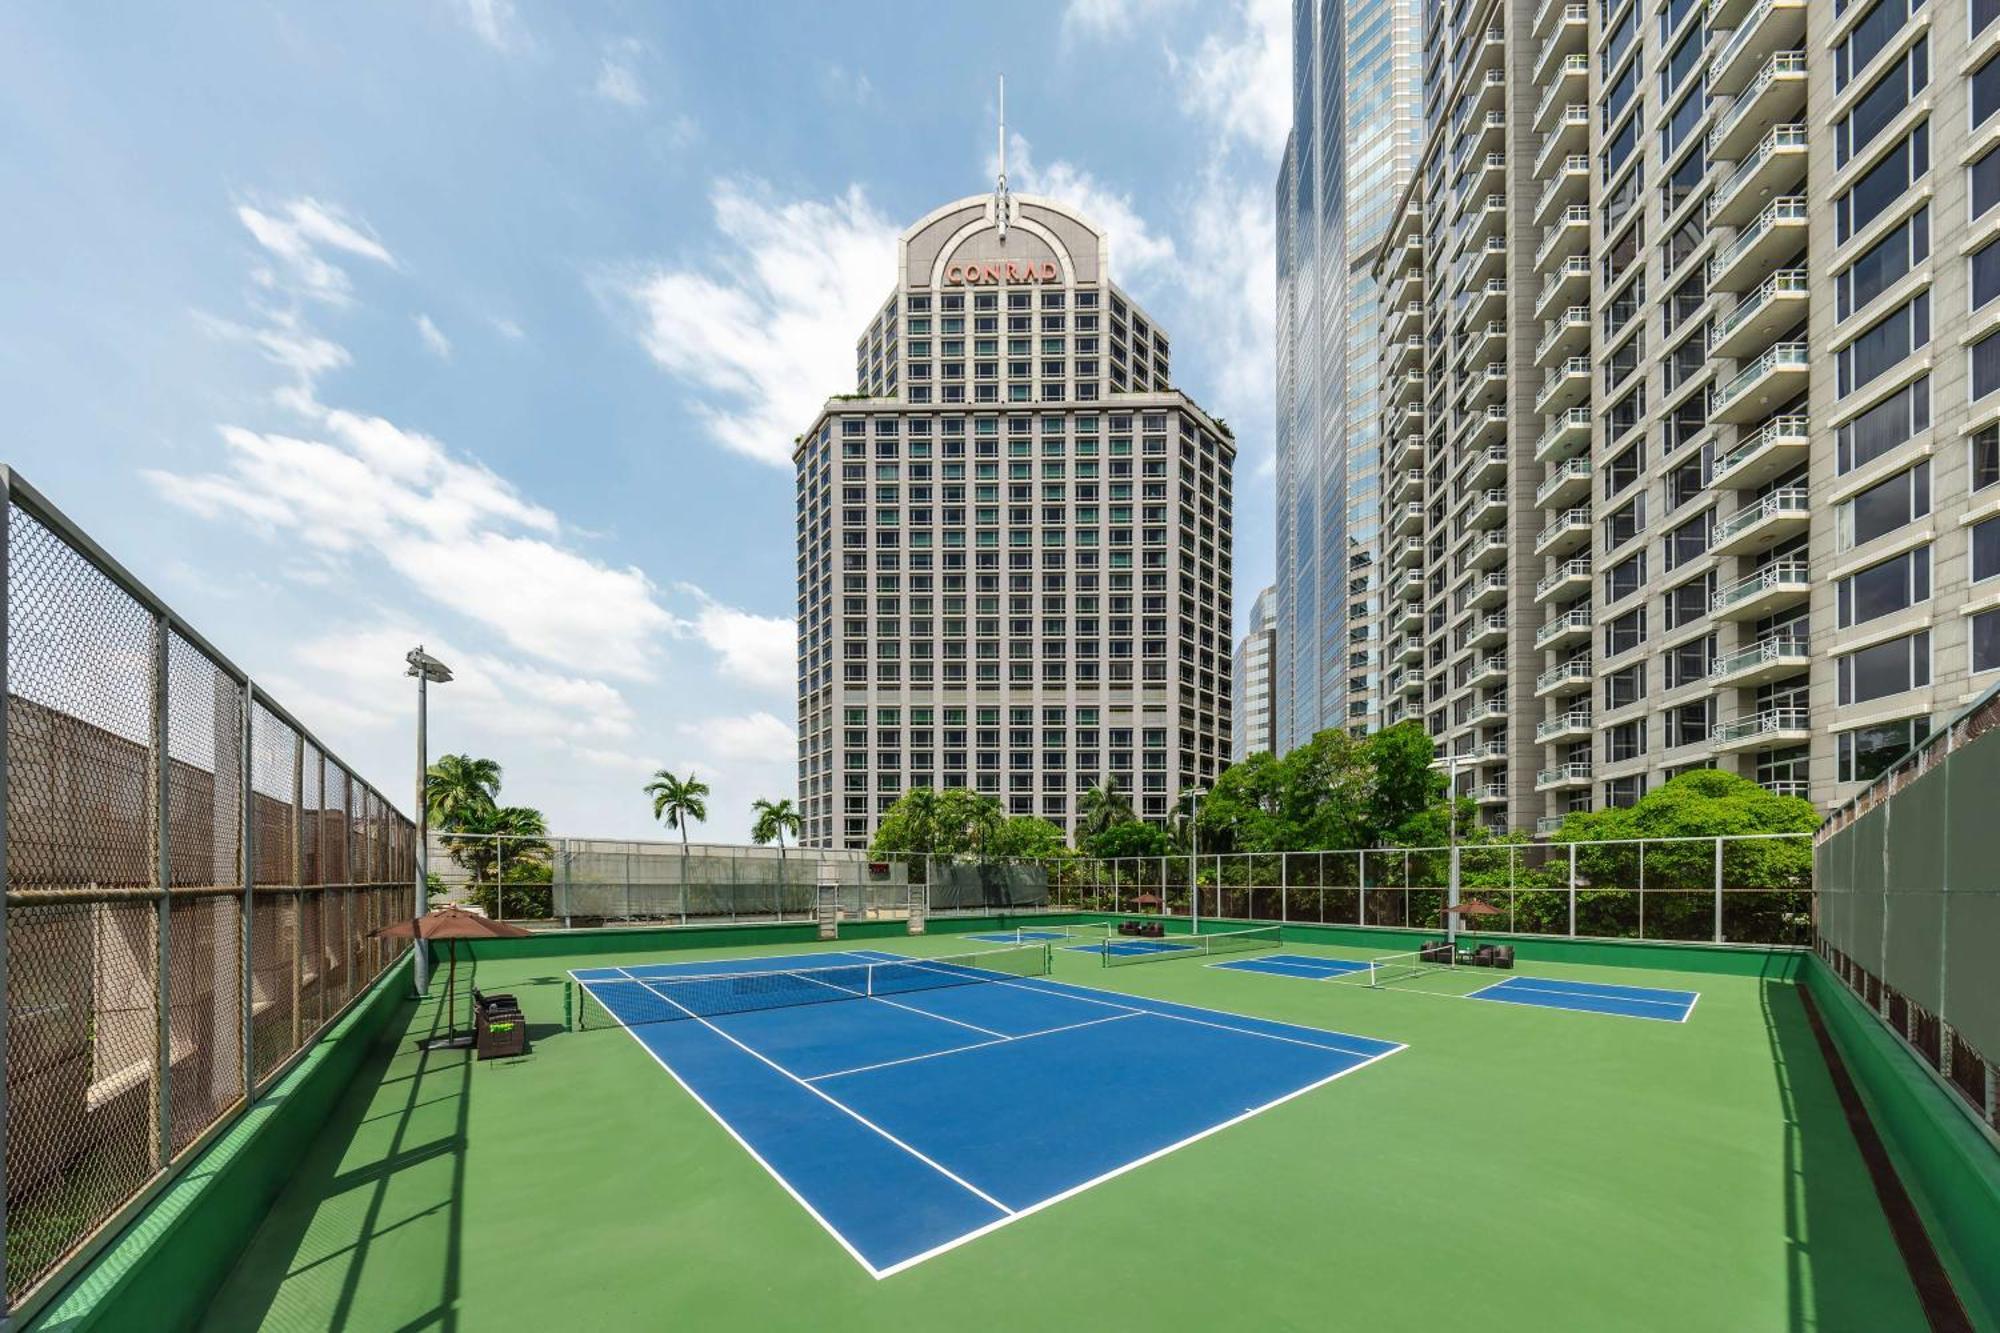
[
  {"x": 426, "y": 669},
  {"x": 1193, "y": 797},
  {"x": 1452, "y": 762}
]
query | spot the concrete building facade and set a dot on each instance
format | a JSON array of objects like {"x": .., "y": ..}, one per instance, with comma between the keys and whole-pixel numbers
[
  {"x": 1692, "y": 358},
  {"x": 1014, "y": 539},
  {"x": 1255, "y": 710}
]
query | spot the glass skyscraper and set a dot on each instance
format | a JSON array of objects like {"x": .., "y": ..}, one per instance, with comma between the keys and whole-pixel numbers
[{"x": 1356, "y": 105}]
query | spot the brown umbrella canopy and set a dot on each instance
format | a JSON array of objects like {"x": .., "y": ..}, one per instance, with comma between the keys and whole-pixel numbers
[
  {"x": 452, "y": 923},
  {"x": 1473, "y": 907}
]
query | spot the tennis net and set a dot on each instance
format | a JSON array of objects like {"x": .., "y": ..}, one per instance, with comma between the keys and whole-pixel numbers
[
  {"x": 1120, "y": 950},
  {"x": 1402, "y": 966},
  {"x": 1096, "y": 930},
  {"x": 631, "y": 1001}
]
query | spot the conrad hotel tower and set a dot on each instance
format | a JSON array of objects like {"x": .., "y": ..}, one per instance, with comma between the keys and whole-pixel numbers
[{"x": 1014, "y": 547}]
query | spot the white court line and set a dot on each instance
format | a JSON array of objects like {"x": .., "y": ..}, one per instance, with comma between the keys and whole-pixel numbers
[
  {"x": 838, "y": 1105},
  {"x": 860, "y": 995},
  {"x": 976, "y": 1046},
  {"x": 1528, "y": 985},
  {"x": 1132, "y": 1165}
]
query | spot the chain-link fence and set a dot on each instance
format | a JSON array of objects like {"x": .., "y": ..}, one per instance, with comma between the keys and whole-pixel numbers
[
  {"x": 1909, "y": 875},
  {"x": 191, "y": 881}
]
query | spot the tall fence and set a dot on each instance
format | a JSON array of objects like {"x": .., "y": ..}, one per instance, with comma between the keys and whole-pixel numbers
[
  {"x": 192, "y": 882},
  {"x": 1909, "y": 875}
]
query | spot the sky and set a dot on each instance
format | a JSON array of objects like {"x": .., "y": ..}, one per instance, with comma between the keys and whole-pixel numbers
[{"x": 487, "y": 325}]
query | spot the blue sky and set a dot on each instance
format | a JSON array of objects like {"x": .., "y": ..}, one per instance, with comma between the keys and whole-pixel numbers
[{"x": 489, "y": 324}]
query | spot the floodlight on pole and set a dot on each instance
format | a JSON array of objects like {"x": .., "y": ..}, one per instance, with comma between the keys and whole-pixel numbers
[
  {"x": 1193, "y": 795},
  {"x": 426, "y": 669}
]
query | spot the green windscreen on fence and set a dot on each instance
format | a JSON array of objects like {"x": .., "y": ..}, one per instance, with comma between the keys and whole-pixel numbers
[{"x": 962, "y": 886}]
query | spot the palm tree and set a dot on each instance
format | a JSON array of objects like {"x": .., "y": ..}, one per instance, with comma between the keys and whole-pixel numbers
[
  {"x": 922, "y": 808},
  {"x": 677, "y": 801},
  {"x": 459, "y": 789},
  {"x": 1102, "y": 806},
  {"x": 985, "y": 817},
  {"x": 774, "y": 819}
]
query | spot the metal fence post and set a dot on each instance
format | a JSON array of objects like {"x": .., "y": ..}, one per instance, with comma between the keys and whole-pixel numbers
[
  {"x": 6, "y": 1017},
  {"x": 1284, "y": 886},
  {"x": 1361, "y": 903},
  {"x": 163, "y": 1071},
  {"x": 1572, "y": 890},
  {"x": 247, "y": 840},
  {"x": 1718, "y": 890}
]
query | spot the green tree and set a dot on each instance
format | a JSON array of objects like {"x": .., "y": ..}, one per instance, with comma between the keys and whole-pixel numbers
[
  {"x": 502, "y": 847},
  {"x": 772, "y": 820},
  {"x": 458, "y": 788},
  {"x": 1323, "y": 793},
  {"x": 1132, "y": 838},
  {"x": 1405, "y": 790},
  {"x": 679, "y": 801},
  {"x": 1026, "y": 836},
  {"x": 1244, "y": 810},
  {"x": 1103, "y": 806}
]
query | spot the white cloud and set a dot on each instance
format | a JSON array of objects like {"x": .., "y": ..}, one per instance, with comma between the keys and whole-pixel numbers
[
  {"x": 434, "y": 338},
  {"x": 493, "y": 21},
  {"x": 1231, "y": 276},
  {"x": 764, "y": 329},
  {"x": 842, "y": 84},
  {"x": 296, "y": 232},
  {"x": 617, "y": 82},
  {"x": 1241, "y": 79},
  {"x": 1136, "y": 249},
  {"x": 761, "y": 651},
  {"x": 1099, "y": 18},
  {"x": 755, "y": 737},
  {"x": 509, "y": 329}
]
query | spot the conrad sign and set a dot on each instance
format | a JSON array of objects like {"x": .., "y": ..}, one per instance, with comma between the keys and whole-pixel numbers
[{"x": 1003, "y": 270}]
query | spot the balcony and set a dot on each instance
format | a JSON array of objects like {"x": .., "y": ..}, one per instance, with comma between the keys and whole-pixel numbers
[
  {"x": 1491, "y": 53},
  {"x": 1566, "y": 436},
  {"x": 1490, "y": 258},
  {"x": 1488, "y": 550},
  {"x": 1489, "y": 388},
  {"x": 1548, "y": 826},
  {"x": 1491, "y": 91},
  {"x": 1576, "y": 773},
  {"x": 1570, "y": 481},
  {"x": 1412, "y": 418},
  {"x": 1778, "y": 93},
  {"x": 1489, "y": 301},
  {"x": 1491, "y": 669},
  {"x": 1783, "y": 513},
  {"x": 1567, "y": 335},
  {"x": 1568, "y": 531},
  {"x": 1774, "y": 234},
  {"x": 1777, "y": 304},
  {"x": 1572, "y": 626},
  {"x": 1492, "y": 793},
  {"x": 1406, "y": 388},
  {"x": 1411, "y": 519},
  {"x": 1409, "y": 451},
  {"x": 1409, "y": 617},
  {"x": 1564, "y": 386},
  {"x": 1773, "y": 449},
  {"x": 1490, "y": 710},
  {"x": 1767, "y": 660},
  {"x": 1402, "y": 352},
  {"x": 1408, "y": 649},
  {"x": 1773, "y": 167},
  {"x": 1571, "y": 578},
  {"x": 1489, "y": 342},
  {"x": 1568, "y": 85},
  {"x": 1406, "y": 320},
  {"x": 1491, "y": 135},
  {"x": 1773, "y": 726},
  {"x": 1489, "y": 509},
  {"x": 1490, "y": 632},
  {"x": 1569, "y": 726},
  {"x": 1561, "y": 288},
  {"x": 1566, "y": 187},
  {"x": 1408, "y": 554},
  {"x": 1487, "y": 590},
  {"x": 1780, "y": 584},
  {"x": 1413, "y": 685},
  {"x": 1565, "y": 37},
  {"x": 1568, "y": 233},
  {"x": 1489, "y": 427},
  {"x": 1571, "y": 677},
  {"x": 1771, "y": 26},
  {"x": 1571, "y": 132},
  {"x": 1777, "y": 376}
]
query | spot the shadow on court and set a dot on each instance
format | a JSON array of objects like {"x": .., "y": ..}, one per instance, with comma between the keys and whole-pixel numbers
[{"x": 367, "y": 1232}]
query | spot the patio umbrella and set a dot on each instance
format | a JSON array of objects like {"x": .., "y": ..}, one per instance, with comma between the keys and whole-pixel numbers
[
  {"x": 452, "y": 924},
  {"x": 1146, "y": 900},
  {"x": 1472, "y": 907}
]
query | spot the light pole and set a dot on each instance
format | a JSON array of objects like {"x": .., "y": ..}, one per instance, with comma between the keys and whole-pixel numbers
[
  {"x": 426, "y": 669},
  {"x": 1193, "y": 796},
  {"x": 1451, "y": 821}
]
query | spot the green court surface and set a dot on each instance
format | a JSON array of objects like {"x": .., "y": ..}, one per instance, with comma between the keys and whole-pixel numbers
[{"x": 1517, "y": 1167}]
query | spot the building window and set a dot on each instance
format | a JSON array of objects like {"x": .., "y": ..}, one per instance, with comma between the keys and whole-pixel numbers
[
  {"x": 1869, "y": 36},
  {"x": 1983, "y": 13},
  {"x": 1986, "y": 550},
  {"x": 1986, "y": 453},
  {"x": 1885, "y": 506},
  {"x": 1889, "y": 423},
  {"x": 1884, "y": 263},
  {"x": 1986, "y": 641},
  {"x": 1985, "y": 92},
  {"x": 1885, "y": 183},
  {"x": 1866, "y": 753},
  {"x": 1886, "y": 100},
  {"x": 1985, "y": 366},
  {"x": 1886, "y": 342},
  {"x": 1884, "y": 669},
  {"x": 1883, "y": 589}
]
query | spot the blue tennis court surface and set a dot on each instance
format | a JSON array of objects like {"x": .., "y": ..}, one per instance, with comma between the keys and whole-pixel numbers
[
  {"x": 908, "y": 1124},
  {"x": 1300, "y": 965},
  {"x": 1671, "y": 1006},
  {"x": 1132, "y": 946}
]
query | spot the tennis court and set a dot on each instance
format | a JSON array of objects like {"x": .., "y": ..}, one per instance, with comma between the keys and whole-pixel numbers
[
  {"x": 1649, "y": 1002},
  {"x": 911, "y": 1105}
]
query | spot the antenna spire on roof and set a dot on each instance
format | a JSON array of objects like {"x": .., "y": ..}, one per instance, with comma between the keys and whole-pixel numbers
[{"x": 1003, "y": 203}]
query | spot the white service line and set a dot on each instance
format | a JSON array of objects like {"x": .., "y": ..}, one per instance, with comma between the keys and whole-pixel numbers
[
  {"x": 1202, "y": 1022},
  {"x": 860, "y": 995},
  {"x": 838, "y": 1105},
  {"x": 975, "y": 1046}
]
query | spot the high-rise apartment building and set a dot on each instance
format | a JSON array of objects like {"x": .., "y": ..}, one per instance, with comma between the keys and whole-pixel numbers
[
  {"x": 1014, "y": 542},
  {"x": 1693, "y": 391},
  {"x": 1255, "y": 711},
  {"x": 1355, "y": 133}
]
